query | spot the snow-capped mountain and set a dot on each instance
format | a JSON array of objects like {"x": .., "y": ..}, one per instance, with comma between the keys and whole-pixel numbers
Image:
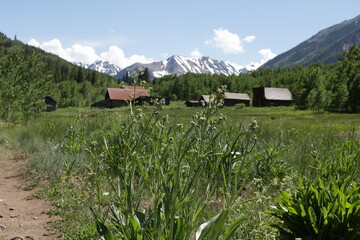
[
  {"x": 101, "y": 66},
  {"x": 180, "y": 65}
]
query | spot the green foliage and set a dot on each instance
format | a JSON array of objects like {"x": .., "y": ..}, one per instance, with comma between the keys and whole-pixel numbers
[
  {"x": 164, "y": 176},
  {"x": 320, "y": 210},
  {"x": 68, "y": 84},
  {"x": 327, "y": 207},
  {"x": 318, "y": 87},
  {"x": 66, "y": 148},
  {"x": 24, "y": 84},
  {"x": 348, "y": 71}
]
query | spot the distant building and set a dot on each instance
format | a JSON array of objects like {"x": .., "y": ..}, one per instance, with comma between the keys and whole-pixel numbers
[
  {"x": 231, "y": 99},
  {"x": 50, "y": 104},
  {"x": 117, "y": 97},
  {"x": 266, "y": 97},
  {"x": 193, "y": 103},
  {"x": 205, "y": 99}
]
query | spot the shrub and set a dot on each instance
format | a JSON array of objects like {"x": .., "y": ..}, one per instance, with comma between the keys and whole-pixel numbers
[{"x": 320, "y": 210}]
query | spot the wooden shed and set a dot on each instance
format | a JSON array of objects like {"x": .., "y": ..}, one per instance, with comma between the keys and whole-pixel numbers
[
  {"x": 50, "y": 104},
  {"x": 266, "y": 97},
  {"x": 231, "y": 99}
]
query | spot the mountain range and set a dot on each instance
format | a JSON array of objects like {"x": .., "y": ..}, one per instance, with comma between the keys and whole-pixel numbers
[
  {"x": 101, "y": 66},
  {"x": 325, "y": 47},
  {"x": 173, "y": 65},
  {"x": 180, "y": 65}
]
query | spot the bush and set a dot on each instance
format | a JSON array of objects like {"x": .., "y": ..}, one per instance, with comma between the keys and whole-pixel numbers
[{"x": 320, "y": 210}]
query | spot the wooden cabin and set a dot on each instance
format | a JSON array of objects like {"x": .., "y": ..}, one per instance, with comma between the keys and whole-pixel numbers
[{"x": 267, "y": 97}]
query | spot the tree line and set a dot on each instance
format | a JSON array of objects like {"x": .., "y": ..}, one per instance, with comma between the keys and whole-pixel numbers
[
  {"x": 333, "y": 87},
  {"x": 28, "y": 74}
]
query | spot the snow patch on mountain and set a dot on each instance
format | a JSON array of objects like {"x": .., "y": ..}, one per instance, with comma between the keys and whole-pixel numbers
[
  {"x": 178, "y": 65},
  {"x": 102, "y": 66}
]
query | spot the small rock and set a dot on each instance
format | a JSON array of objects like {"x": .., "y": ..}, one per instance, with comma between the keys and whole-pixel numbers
[
  {"x": 29, "y": 238},
  {"x": 2, "y": 200},
  {"x": 1, "y": 216},
  {"x": 11, "y": 209},
  {"x": 17, "y": 238},
  {"x": 2, "y": 227},
  {"x": 35, "y": 218},
  {"x": 14, "y": 216}
]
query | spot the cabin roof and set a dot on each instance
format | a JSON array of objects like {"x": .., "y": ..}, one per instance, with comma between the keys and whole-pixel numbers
[
  {"x": 277, "y": 94},
  {"x": 237, "y": 96},
  {"x": 126, "y": 93}
]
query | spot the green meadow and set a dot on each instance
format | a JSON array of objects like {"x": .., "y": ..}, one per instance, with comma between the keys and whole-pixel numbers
[{"x": 171, "y": 172}]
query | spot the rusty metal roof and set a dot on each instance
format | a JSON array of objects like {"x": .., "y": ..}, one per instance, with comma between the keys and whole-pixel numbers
[
  {"x": 277, "y": 94},
  {"x": 127, "y": 93}
]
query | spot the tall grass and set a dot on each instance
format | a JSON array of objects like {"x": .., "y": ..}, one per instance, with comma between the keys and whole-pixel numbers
[
  {"x": 176, "y": 173},
  {"x": 174, "y": 182}
]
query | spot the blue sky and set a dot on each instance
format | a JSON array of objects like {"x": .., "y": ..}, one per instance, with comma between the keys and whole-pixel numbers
[{"x": 124, "y": 31}]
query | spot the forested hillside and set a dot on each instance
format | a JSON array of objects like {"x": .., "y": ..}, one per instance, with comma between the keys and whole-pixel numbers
[
  {"x": 70, "y": 85},
  {"x": 324, "y": 47},
  {"x": 333, "y": 87}
]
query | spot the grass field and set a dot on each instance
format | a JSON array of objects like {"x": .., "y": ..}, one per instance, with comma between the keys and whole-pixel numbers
[{"x": 183, "y": 173}]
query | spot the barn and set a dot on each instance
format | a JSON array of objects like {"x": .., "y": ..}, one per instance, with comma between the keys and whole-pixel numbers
[
  {"x": 267, "y": 97},
  {"x": 231, "y": 99},
  {"x": 117, "y": 97}
]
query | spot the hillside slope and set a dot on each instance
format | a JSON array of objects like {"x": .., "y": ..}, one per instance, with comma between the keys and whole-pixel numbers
[{"x": 325, "y": 46}]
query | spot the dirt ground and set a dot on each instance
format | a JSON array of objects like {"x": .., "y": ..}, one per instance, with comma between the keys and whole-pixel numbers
[{"x": 20, "y": 217}]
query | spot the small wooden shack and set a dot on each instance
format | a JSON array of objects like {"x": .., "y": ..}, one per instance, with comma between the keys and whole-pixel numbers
[
  {"x": 231, "y": 99},
  {"x": 193, "y": 103},
  {"x": 267, "y": 97},
  {"x": 50, "y": 104}
]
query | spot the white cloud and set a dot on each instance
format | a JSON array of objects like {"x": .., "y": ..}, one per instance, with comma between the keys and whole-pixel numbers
[
  {"x": 249, "y": 39},
  {"x": 196, "y": 53},
  {"x": 227, "y": 41},
  {"x": 86, "y": 54},
  {"x": 266, "y": 55},
  {"x": 34, "y": 43},
  {"x": 82, "y": 54},
  {"x": 117, "y": 56},
  {"x": 76, "y": 53}
]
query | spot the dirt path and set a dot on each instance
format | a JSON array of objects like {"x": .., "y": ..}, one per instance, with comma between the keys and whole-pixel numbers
[{"x": 20, "y": 218}]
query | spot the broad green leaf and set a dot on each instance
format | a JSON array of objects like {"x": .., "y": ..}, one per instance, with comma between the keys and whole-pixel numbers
[{"x": 231, "y": 230}]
